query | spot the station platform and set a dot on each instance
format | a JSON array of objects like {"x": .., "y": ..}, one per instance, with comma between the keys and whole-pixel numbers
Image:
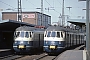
[
  {"x": 3, "y": 50},
  {"x": 72, "y": 55}
]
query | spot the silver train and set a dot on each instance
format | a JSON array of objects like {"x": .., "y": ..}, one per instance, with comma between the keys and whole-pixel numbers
[
  {"x": 57, "y": 38},
  {"x": 28, "y": 39}
]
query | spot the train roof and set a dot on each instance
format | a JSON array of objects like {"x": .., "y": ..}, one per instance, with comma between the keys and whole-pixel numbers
[
  {"x": 28, "y": 28},
  {"x": 59, "y": 28}
]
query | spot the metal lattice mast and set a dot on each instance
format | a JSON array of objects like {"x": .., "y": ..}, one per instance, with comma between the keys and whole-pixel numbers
[
  {"x": 41, "y": 12},
  {"x": 63, "y": 19},
  {"x": 19, "y": 11}
]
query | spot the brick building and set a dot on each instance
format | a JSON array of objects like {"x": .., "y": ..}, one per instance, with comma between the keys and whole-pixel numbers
[{"x": 28, "y": 17}]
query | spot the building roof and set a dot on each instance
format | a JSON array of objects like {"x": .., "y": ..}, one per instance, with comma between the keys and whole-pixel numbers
[
  {"x": 25, "y": 12},
  {"x": 79, "y": 22},
  {"x": 11, "y": 25}
]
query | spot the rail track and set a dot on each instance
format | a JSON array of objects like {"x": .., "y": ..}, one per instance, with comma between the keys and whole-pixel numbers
[{"x": 38, "y": 56}]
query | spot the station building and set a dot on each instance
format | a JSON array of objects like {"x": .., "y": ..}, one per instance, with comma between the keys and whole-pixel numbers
[{"x": 29, "y": 17}]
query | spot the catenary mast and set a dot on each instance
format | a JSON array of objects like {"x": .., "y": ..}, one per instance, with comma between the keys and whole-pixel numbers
[
  {"x": 19, "y": 11},
  {"x": 41, "y": 12},
  {"x": 63, "y": 18}
]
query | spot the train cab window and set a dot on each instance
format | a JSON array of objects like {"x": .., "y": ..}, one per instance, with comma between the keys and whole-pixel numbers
[
  {"x": 48, "y": 34},
  {"x": 17, "y": 34},
  {"x": 58, "y": 34},
  {"x": 45, "y": 33},
  {"x": 30, "y": 34},
  {"x": 27, "y": 34},
  {"x": 62, "y": 34},
  {"x": 53, "y": 34},
  {"x": 22, "y": 34}
]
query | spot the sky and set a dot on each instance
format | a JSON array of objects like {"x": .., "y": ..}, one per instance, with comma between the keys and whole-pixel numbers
[{"x": 55, "y": 7}]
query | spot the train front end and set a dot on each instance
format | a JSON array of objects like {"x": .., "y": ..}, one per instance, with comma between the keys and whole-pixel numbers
[
  {"x": 22, "y": 41},
  {"x": 54, "y": 41}
]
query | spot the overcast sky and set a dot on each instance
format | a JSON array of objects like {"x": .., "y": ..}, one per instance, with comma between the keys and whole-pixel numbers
[{"x": 76, "y": 11}]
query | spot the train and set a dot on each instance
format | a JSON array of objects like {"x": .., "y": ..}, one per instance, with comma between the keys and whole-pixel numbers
[
  {"x": 28, "y": 39},
  {"x": 58, "y": 38}
]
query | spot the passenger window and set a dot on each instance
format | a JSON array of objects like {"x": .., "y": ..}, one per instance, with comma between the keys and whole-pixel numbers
[
  {"x": 53, "y": 34},
  {"x": 32, "y": 34},
  {"x": 48, "y": 35},
  {"x": 27, "y": 34},
  {"x": 58, "y": 34},
  {"x": 17, "y": 34},
  {"x": 45, "y": 33},
  {"x": 61, "y": 34}
]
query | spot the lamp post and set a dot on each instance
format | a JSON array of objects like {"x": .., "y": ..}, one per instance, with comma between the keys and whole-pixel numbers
[
  {"x": 69, "y": 13},
  {"x": 41, "y": 12},
  {"x": 87, "y": 29},
  {"x": 63, "y": 17}
]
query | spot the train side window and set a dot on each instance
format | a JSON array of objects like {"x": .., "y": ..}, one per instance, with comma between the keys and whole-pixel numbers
[
  {"x": 27, "y": 34},
  {"x": 58, "y": 34},
  {"x": 48, "y": 35},
  {"x": 17, "y": 34},
  {"x": 45, "y": 34},
  {"x": 53, "y": 34},
  {"x": 61, "y": 34},
  {"x": 30, "y": 34}
]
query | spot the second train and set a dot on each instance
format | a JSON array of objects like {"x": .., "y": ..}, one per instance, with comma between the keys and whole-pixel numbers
[{"x": 57, "y": 38}]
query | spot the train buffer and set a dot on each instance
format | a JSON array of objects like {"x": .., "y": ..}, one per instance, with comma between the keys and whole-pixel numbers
[{"x": 72, "y": 55}]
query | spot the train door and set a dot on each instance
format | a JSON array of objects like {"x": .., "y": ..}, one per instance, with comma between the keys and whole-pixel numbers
[
  {"x": 79, "y": 39},
  {"x": 36, "y": 40},
  {"x": 76, "y": 39},
  {"x": 67, "y": 39},
  {"x": 41, "y": 39},
  {"x": 72, "y": 39}
]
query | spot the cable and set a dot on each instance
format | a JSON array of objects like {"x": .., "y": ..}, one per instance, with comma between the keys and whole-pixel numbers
[
  {"x": 65, "y": 7},
  {"x": 6, "y": 4},
  {"x": 53, "y": 9},
  {"x": 31, "y": 3}
]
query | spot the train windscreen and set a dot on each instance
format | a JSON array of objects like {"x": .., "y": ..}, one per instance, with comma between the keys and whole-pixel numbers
[
  {"x": 62, "y": 34},
  {"x": 48, "y": 35},
  {"x": 16, "y": 34},
  {"x": 58, "y": 34},
  {"x": 22, "y": 34},
  {"x": 30, "y": 34},
  {"x": 27, "y": 34},
  {"x": 53, "y": 34}
]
